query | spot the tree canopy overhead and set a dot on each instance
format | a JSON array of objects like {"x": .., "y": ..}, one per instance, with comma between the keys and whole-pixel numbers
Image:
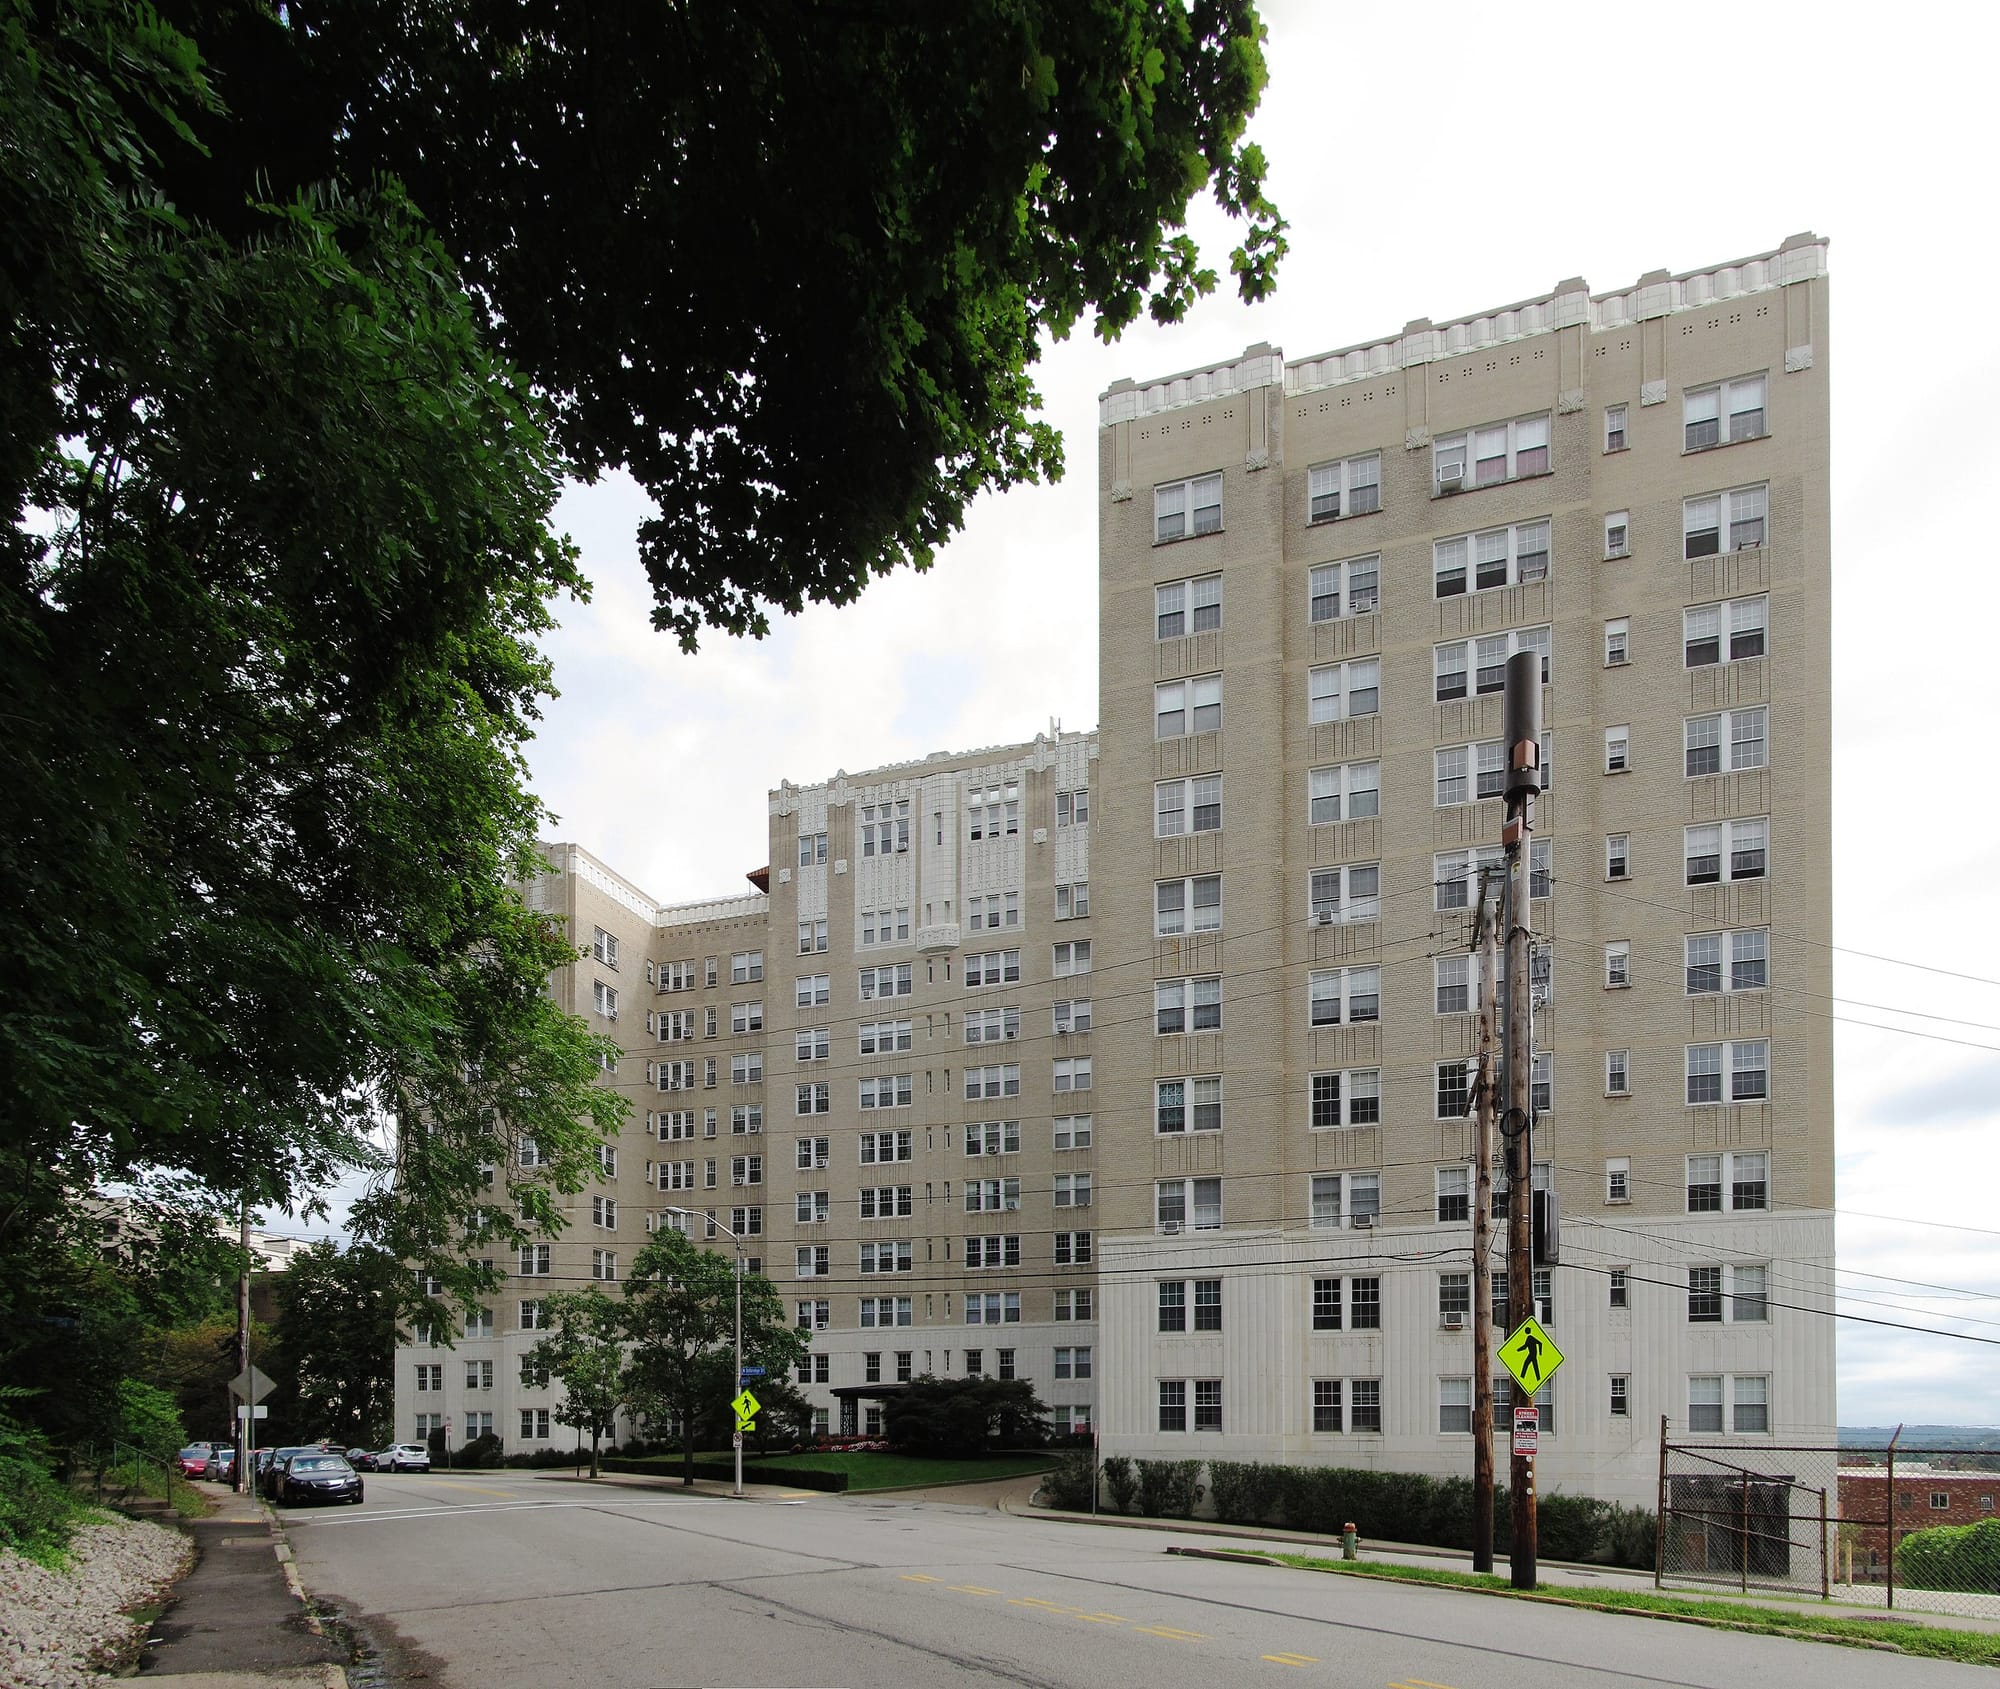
[{"x": 787, "y": 261}]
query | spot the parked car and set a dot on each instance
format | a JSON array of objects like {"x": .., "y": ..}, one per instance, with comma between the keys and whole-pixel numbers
[
  {"x": 404, "y": 1457},
  {"x": 313, "y": 1475},
  {"x": 193, "y": 1460},
  {"x": 362, "y": 1460},
  {"x": 260, "y": 1463},
  {"x": 221, "y": 1463},
  {"x": 267, "y": 1483}
]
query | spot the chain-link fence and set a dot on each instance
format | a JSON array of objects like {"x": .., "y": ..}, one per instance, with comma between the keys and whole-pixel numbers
[{"x": 1892, "y": 1527}]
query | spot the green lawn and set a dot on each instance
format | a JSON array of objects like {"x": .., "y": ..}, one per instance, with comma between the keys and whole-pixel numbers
[
  {"x": 1804, "y": 1623},
  {"x": 867, "y": 1471}
]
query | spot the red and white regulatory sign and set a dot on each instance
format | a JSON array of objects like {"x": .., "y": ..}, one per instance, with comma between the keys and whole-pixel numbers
[{"x": 1527, "y": 1429}]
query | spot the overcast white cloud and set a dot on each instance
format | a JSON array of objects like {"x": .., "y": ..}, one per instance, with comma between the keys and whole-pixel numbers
[{"x": 1480, "y": 171}]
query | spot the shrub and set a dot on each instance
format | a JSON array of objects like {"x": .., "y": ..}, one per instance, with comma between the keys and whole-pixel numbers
[
  {"x": 1121, "y": 1481},
  {"x": 1958, "y": 1557},
  {"x": 1244, "y": 1492},
  {"x": 1169, "y": 1488},
  {"x": 1070, "y": 1485},
  {"x": 36, "y": 1513},
  {"x": 483, "y": 1451},
  {"x": 149, "y": 1419}
]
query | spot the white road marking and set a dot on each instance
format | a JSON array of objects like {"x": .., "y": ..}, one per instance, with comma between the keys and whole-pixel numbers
[{"x": 436, "y": 1511}]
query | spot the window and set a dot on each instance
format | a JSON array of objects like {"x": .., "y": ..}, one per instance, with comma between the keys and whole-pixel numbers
[
  {"x": 1183, "y": 806},
  {"x": 1073, "y": 808},
  {"x": 1749, "y": 1301},
  {"x": 1072, "y": 1014},
  {"x": 746, "y": 1169},
  {"x": 534, "y": 1260},
  {"x": 993, "y": 1137},
  {"x": 885, "y": 828},
  {"x": 1071, "y": 1190},
  {"x": 812, "y": 1099},
  {"x": 1208, "y": 1404},
  {"x": 1179, "y": 607},
  {"x": 811, "y": 1153},
  {"x": 1364, "y": 1304},
  {"x": 1618, "y": 1179},
  {"x": 1002, "y": 1080},
  {"x": 1618, "y": 1282},
  {"x": 1072, "y": 1249},
  {"x": 1181, "y": 707},
  {"x": 1455, "y": 873},
  {"x": 1072, "y": 1305},
  {"x": 1728, "y": 961},
  {"x": 886, "y": 1146},
  {"x": 1457, "y": 980},
  {"x": 746, "y": 967},
  {"x": 994, "y": 811},
  {"x": 1072, "y": 1073},
  {"x": 1723, "y": 414},
  {"x": 991, "y": 1026},
  {"x": 812, "y": 849},
  {"x": 886, "y": 1257},
  {"x": 904, "y": 1369},
  {"x": 992, "y": 1196},
  {"x": 812, "y": 936},
  {"x": 995, "y": 967},
  {"x": 889, "y": 1090},
  {"x": 1454, "y": 1195},
  {"x": 1618, "y": 856},
  {"x": 812, "y": 990},
  {"x": 1348, "y": 995},
  {"x": 1070, "y": 958},
  {"x": 1467, "y": 773},
  {"x": 747, "y": 1069},
  {"x": 1738, "y": 1071},
  {"x": 1702, "y": 519},
  {"x": 1485, "y": 660},
  {"x": 1493, "y": 557},
  {"x": 1173, "y": 1404},
  {"x": 429, "y": 1377},
  {"x": 604, "y": 1212},
  {"x": 1185, "y": 508},
  {"x": 604, "y": 946},
  {"x": 1190, "y": 905},
  {"x": 746, "y": 1017},
  {"x": 1351, "y": 588},
  {"x": 885, "y": 926},
  {"x": 811, "y": 1208},
  {"x": 1187, "y": 1105},
  {"x": 1349, "y": 792},
  {"x": 1183, "y": 1005},
  {"x": 1072, "y": 1131},
  {"x": 1455, "y": 1406},
  {"x": 894, "y": 981},
  {"x": 1705, "y": 1404},
  {"x": 814, "y": 1261},
  {"x": 998, "y": 1251},
  {"x": 603, "y": 1264},
  {"x": 1617, "y": 642},
  {"x": 1001, "y": 909},
  {"x": 1499, "y": 451},
  {"x": 531, "y": 1316},
  {"x": 1342, "y": 1200},
  {"x": 1940, "y": 1500},
  {"x": 1343, "y": 691},
  {"x": 812, "y": 1043},
  {"x": 1072, "y": 1362},
  {"x": 1734, "y": 1183},
  {"x": 1725, "y": 632},
  {"x": 1749, "y": 1396},
  {"x": 1614, "y": 428},
  {"x": 1727, "y": 742},
  {"x": 992, "y": 1307},
  {"x": 1184, "y": 1204},
  {"x": 1349, "y": 488},
  {"x": 881, "y": 1312},
  {"x": 1326, "y": 1405},
  {"x": 1617, "y": 1073},
  {"x": 1454, "y": 1089},
  {"x": 534, "y": 1424},
  {"x": 1352, "y": 1098},
  {"x": 1728, "y": 850},
  {"x": 886, "y": 1037},
  {"x": 1617, "y": 750},
  {"x": 1346, "y": 894},
  {"x": 1618, "y": 534},
  {"x": 604, "y": 998},
  {"x": 1618, "y": 965}
]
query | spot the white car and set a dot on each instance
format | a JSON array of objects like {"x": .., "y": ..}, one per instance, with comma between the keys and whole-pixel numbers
[{"x": 404, "y": 1457}]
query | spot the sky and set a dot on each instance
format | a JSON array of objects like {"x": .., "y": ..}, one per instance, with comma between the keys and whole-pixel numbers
[{"x": 1623, "y": 141}]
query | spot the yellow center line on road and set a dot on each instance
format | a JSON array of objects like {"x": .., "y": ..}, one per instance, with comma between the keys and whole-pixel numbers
[
  {"x": 1417, "y": 1683},
  {"x": 1171, "y": 1634},
  {"x": 1099, "y": 1618},
  {"x": 971, "y": 1589},
  {"x": 917, "y": 1577},
  {"x": 1301, "y": 1660},
  {"x": 1032, "y": 1601}
]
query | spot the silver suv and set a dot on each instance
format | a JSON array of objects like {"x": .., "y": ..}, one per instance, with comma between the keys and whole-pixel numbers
[{"x": 404, "y": 1457}]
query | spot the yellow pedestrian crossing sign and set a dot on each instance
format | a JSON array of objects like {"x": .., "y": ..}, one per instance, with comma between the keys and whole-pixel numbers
[
  {"x": 1531, "y": 1356},
  {"x": 746, "y": 1406}
]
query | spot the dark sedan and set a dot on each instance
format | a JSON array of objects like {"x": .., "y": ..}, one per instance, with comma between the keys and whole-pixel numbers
[
  {"x": 267, "y": 1483},
  {"x": 313, "y": 1476},
  {"x": 362, "y": 1460}
]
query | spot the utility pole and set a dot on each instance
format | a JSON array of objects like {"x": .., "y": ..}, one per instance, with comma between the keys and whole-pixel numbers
[
  {"x": 243, "y": 1350},
  {"x": 1523, "y": 739},
  {"x": 1482, "y": 1259}
]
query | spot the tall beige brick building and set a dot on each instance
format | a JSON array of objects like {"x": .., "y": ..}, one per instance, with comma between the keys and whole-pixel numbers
[{"x": 1230, "y": 1218}]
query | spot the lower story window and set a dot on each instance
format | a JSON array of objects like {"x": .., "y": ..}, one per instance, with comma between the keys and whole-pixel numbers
[
  {"x": 1745, "y": 1396},
  {"x": 1173, "y": 1404}
]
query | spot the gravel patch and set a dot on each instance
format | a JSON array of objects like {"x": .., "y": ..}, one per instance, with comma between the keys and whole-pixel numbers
[{"x": 56, "y": 1626}]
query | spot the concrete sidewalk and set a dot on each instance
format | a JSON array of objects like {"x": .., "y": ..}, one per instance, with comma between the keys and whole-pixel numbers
[{"x": 239, "y": 1620}]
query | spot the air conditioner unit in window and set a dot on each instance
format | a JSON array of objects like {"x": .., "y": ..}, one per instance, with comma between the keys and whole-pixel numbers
[
  {"x": 1451, "y": 480},
  {"x": 1322, "y": 917},
  {"x": 1362, "y": 1222},
  {"x": 1454, "y": 1322},
  {"x": 1170, "y": 1228}
]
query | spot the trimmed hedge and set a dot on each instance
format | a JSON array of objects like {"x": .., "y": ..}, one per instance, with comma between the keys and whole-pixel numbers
[{"x": 1954, "y": 1557}]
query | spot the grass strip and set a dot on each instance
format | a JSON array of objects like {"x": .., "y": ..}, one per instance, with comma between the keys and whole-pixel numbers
[
  {"x": 870, "y": 1470},
  {"x": 1970, "y": 1647}
]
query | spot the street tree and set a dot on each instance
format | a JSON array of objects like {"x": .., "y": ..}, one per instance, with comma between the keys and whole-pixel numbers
[
  {"x": 584, "y": 1352},
  {"x": 336, "y": 1340},
  {"x": 966, "y": 1416},
  {"x": 680, "y": 1309}
]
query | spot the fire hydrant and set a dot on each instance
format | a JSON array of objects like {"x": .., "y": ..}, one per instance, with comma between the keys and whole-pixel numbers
[{"x": 1350, "y": 1544}]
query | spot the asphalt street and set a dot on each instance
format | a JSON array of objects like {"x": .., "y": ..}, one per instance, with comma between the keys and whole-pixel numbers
[{"x": 507, "y": 1578}]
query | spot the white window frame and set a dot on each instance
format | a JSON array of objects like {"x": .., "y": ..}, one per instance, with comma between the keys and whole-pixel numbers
[
  {"x": 1617, "y": 535},
  {"x": 987, "y": 968},
  {"x": 1072, "y": 1073},
  {"x": 1338, "y": 1100},
  {"x": 1745, "y": 512},
  {"x": 812, "y": 1043},
  {"x": 1614, "y": 428},
  {"x": 1070, "y": 1190},
  {"x": 1073, "y": 807},
  {"x": 1335, "y": 1201},
  {"x": 1347, "y": 791},
  {"x": 1705, "y": 408},
  {"x": 1617, "y": 642},
  {"x": 1486, "y": 558},
  {"x": 1347, "y": 989},
  {"x": 1454, "y": 873},
  {"x": 1736, "y": 622},
  {"x": 1463, "y": 774},
  {"x": 1183, "y": 708},
  {"x": 1193, "y": 805},
  {"x": 1350, "y": 587},
  {"x": 1617, "y": 856},
  {"x": 1617, "y": 1073},
  {"x": 1187, "y": 1104},
  {"x": 1742, "y": 961},
  {"x": 1731, "y": 1062},
  {"x": 1618, "y": 749},
  {"x": 1618, "y": 965},
  {"x": 1189, "y": 1198},
  {"x": 1474, "y": 450},
  {"x": 1072, "y": 1131},
  {"x": 1070, "y": 1015},
  {"x": 745, "y": 1017},
  {"x": 1192, "y": 1005},
  {"x": 1332, "y": 690},
  {"x": 1346, "y": 488},
  {"x": 1747, "y": 839},
  {"x": 1194, "y": 605},
  {"x": 1741, "y": 1180},
  {"x": 811, "y": 991},
  {"x": 999, "y": 1079},
  {"x": 1473, "y": 660},
  {"x": 1618, "y": 1178},
  {"x": 1184, "y": 510},
  {"x": 1350, "y": 892},
  {"x": 1193, "y": 916},
  {"x": 993, "y": 1137},
  {"x": 1740, "y": 738},
  {"x": 991, "y": 1026},
  {"x": 884, "y": 1037}
]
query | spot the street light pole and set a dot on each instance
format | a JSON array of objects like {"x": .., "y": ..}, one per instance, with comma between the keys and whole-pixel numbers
[{"x": 733, "y": 1238}]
